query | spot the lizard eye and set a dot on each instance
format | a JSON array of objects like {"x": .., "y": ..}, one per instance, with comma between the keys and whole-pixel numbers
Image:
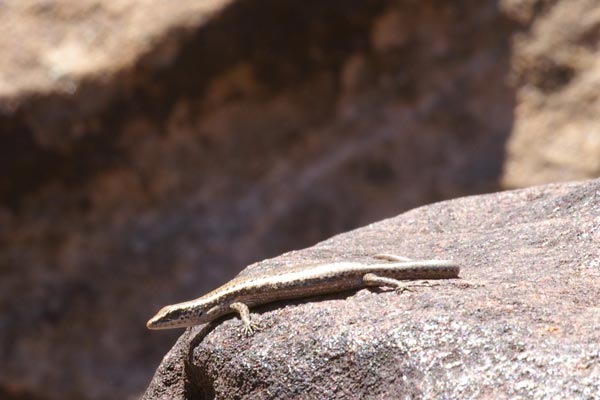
[{"x": 175, "y": 314}]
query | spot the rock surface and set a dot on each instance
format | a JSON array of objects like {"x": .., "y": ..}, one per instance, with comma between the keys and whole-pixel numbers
[
  {"x": 151, "y": 182},
  {"x": 150, "y": 149},
  {"x": 55, "y": 46},
  {"x": 556, "y": 68},
  {"x": 521, "y": 323}
]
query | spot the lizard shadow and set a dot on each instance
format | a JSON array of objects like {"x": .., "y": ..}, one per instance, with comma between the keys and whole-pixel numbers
[{"x": 197, "y": 384}]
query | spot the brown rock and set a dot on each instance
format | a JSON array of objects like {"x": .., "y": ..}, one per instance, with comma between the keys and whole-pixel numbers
[
  {"x": 556, "y": 133},
  {"x": 51, "y": 46},
  {"x": 181, "y": 144},
  {"x": 522, "y": 322},
  {"x": 149, "y": 149}
]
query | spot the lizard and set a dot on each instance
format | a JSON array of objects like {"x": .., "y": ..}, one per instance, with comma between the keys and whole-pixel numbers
[{"x": 239, "y": 294}]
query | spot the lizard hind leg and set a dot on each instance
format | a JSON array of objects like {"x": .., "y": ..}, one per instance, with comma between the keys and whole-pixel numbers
[
  {"x": 399, "y": 286},
  {"x": 249, "y": 326}
]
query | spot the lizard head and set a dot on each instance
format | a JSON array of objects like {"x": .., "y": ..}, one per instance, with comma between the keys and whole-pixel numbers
[{"x": 176, "y": 316}]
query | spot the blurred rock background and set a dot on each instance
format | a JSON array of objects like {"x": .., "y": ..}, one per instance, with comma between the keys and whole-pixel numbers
[{"x": 149, "y": 150}]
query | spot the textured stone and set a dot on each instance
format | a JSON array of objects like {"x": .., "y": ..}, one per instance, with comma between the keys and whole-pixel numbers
[
  {"x": 52, "y": 46},
  {"x": 521, "y": 323},
  {"x": 151, "y": 149},
  {"x": 152, "y": 181},
  {"x": 556, "y": 65}
]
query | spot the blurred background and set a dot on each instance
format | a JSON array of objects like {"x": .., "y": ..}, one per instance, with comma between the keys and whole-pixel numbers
[{"x": 149, "y": 150}]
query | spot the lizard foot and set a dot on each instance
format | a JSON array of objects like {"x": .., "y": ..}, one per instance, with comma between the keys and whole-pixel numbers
[{"x": 248, "y": 329}]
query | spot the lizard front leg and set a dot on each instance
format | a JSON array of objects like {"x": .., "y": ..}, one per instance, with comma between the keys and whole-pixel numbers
[{"x": 244, "y": 312}]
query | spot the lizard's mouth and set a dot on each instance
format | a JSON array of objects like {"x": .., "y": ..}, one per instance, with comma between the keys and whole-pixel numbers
[
  {"x": 157, "y": 323},
  {"x": 167, "y": 318},
  {"x": 151, "y": 324}
]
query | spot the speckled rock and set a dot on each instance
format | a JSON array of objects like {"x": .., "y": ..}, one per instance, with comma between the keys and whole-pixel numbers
[
  {"x": 556, "y": 64},
  {"x": 61, "y": 45},
  {"x": 522, "y": 322},
  {"x": 150, "y": 149}
]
